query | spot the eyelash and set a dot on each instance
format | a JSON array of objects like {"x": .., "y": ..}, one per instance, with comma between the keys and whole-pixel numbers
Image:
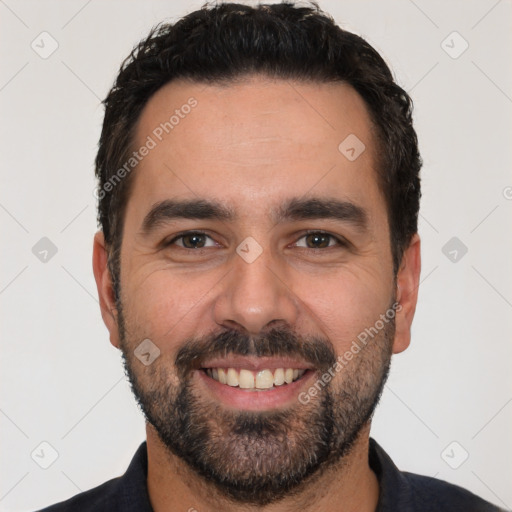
[{"x": 340, "y": 242}]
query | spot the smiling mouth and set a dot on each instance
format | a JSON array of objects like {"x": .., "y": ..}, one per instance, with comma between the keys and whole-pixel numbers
[{"x": 260, "y": 380}]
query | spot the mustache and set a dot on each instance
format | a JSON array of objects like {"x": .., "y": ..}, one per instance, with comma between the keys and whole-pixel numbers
[{"x": 317, "y": 351}]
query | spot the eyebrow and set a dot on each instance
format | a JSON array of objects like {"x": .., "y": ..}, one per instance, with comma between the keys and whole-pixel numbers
[
  {"x": 323, "y": 208},
  {"x": 294, "y": 209},
  {"x": 170, "y": 209}
]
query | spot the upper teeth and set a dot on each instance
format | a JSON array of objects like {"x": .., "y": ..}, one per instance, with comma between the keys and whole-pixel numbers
[{"x": 247, "y": 379}]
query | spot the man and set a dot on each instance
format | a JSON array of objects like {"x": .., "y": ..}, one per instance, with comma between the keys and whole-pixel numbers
[{"x": 258, "y": 265}]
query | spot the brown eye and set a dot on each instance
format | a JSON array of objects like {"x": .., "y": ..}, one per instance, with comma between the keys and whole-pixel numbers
[
  {"x": 318, "y": 240},
  {"x": 193, "y": 240}
]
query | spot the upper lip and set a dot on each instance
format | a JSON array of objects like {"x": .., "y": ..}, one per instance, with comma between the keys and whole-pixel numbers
[{"x": 255, "y": 363}]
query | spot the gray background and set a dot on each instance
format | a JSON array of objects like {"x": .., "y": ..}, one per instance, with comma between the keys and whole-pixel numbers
[{"x": 62, "y": 382}]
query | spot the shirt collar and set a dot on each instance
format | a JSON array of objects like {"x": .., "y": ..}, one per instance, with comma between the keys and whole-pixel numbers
[
  {"x": 133, "y": 489},
  {"x": 394, "y": 490}
]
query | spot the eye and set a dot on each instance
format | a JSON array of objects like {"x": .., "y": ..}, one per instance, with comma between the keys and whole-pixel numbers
[
  {"x": 192, "y": 240},
  {"x": 319, "y": 240}
]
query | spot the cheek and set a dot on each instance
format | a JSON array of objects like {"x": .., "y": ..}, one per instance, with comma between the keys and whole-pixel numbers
[
  {"x": 164, "y": 306},
  {"x": 344, "y": 305}
]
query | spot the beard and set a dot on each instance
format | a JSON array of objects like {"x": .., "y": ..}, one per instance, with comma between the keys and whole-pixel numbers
[{"x": 258, "y": 457}]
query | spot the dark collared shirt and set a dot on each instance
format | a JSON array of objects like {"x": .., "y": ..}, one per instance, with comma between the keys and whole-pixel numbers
[{"x": 399, "y": 491}]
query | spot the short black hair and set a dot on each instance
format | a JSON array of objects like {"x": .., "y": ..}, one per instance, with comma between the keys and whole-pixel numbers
[{"x": 226, "y": 41}]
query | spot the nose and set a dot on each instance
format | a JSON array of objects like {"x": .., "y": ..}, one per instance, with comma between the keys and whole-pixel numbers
[{"x": 255, "y": 297}]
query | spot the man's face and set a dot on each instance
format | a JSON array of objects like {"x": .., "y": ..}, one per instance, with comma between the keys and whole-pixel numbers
[{"x": 284, "y": 259}]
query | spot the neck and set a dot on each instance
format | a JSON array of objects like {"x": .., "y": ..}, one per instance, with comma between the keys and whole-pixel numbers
[{"x": 349, "y": 486}]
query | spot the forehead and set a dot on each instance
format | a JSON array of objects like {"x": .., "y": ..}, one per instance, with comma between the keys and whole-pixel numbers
[{"x": 252, "y": 141}]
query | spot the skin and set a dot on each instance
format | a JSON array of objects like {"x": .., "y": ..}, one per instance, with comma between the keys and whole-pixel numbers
[{"x": 252, "y": 146}]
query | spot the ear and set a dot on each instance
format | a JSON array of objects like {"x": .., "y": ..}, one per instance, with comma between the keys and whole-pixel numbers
[
  {"x": 105, "y": 287},
  {"x": 408, "y": 280}
]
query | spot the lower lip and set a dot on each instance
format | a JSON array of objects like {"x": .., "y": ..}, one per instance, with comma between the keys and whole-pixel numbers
[{"x": 254, "y": 400}]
